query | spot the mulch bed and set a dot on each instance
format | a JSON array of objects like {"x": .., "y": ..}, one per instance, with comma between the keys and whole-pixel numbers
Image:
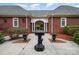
[
  {"x": 64, "y": 36},
  {"x": 21, "y": 41},
  {"x": 56, "y": 41}
]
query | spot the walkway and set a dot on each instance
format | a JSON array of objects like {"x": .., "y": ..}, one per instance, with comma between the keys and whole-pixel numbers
[{"x": 62, "y": 47}]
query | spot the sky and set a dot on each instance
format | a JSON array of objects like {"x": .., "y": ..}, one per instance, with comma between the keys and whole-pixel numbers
[{"x": 40, "y": 6}]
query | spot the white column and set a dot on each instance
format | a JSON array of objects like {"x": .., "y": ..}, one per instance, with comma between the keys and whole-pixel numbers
[
  {"x": 44, "y": 27},
  {"x": 34, "y": 26}
]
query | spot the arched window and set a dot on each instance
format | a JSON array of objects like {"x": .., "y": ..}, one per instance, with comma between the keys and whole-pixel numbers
[{"x": 39, "y": 25}]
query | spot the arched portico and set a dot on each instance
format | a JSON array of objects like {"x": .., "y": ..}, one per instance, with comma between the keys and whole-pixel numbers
[{"x": 39, "y": 25}]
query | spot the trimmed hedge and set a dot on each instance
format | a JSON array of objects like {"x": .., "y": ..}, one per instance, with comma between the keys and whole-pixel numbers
[
  {"x": 76, "y": 38},
  {"x": 70, "y": 30},
  {"x": 2, "y": 40}
]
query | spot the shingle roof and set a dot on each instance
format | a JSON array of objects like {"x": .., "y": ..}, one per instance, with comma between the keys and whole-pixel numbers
[
  {"x": 40, "y": 13},
  {"x": 19, "y": 11},
  {"x": 12, "y": 10},
  {"x": 61, "y": 10},
  {"x": 66, "y": 10}
]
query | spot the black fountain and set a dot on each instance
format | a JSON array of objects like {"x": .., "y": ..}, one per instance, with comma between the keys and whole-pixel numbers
[{"x": 39, "y": 46}]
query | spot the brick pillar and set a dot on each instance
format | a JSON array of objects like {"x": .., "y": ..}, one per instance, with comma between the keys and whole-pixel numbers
[
  {"x": 29, "y": 25},
  {"x": 49, "y": 25}
]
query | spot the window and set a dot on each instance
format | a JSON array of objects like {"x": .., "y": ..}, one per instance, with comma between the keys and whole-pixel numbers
[
  {"x": 63, "y": 22},
  {"x": 15, "y": 22}
]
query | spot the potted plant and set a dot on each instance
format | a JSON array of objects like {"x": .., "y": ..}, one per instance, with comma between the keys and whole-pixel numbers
[
  {"x": 54, "y": 37},
  {"x": 25, "y": 37},
  {"x": 24, "y": 32}
]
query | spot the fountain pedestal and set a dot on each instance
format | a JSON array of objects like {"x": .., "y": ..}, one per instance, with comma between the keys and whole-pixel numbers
[{"x": 39, "y": 46}]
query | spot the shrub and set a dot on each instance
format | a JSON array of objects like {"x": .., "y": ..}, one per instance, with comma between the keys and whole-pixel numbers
[
  {"x": 66, "y": 28},
  {"x": 5, "y": 32},
  {"x": 70, "y": 30},
  {"x": 1, "y": 38},
  {"x": 23, "y": 30},
  {"x": 76, "y": 37},
  {"x": 14, "y": 32}
]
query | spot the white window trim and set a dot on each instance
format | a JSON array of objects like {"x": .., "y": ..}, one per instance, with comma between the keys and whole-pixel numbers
[
  {"x": 17, "y": 22},
  {"x": 65, "y": 21}
]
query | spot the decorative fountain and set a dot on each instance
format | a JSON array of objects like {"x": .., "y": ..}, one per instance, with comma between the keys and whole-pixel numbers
[{"x": 39, "y": 46}]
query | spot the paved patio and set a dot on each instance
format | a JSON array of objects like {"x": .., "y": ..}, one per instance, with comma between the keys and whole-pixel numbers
[{"x": 63, "y": 47}]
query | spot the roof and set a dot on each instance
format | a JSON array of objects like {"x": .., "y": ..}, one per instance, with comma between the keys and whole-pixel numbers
[
  {"x": 12, "y": 10},
  {"x": 66, "y": 10},
  {"x": 40, "y": 13},
  {"x": 19, "y": 11},
  {"x": 63, "y": 10}
]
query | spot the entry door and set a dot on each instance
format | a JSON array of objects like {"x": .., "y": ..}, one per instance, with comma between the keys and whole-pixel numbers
[{"x": 39, "y": 26}]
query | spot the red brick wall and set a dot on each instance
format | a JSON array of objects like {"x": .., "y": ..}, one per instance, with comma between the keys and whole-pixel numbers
[
  {"x": 9, "y": 23},
  {"x": 5, "y": 23},
  {"x": 56, "y": 25},
  {"x": 22, "y": 22},
  {"x": 29, "y": 24},
  {"x": 49, "y": 25},
  {"x": 73, "y": 20},
  {"x": 1, "y": 24},
  {"x": 70, "y": 21}
]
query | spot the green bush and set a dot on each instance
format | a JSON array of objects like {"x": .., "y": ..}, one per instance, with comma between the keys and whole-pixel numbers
[
  {"x": 23, "y": 30},
  {"x": 1, "y": 38},
  {"x": 70, "y": 30},
  {"x": 14, "y": 32},
  {"x": 76, "y": 37},
  {"x": 66, "y": 28}
]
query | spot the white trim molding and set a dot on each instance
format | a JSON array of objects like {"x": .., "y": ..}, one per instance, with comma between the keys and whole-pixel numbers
[
  {"x": 65, "y": 22},
  {"x": 17, "y": 20},
  {"x": 33, "y": 21}
]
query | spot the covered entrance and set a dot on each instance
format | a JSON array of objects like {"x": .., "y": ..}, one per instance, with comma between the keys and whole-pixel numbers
[{"x": 39, "y": 25}]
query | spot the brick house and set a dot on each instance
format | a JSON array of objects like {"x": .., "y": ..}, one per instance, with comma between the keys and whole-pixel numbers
[{"x": 51, "y": 21}]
